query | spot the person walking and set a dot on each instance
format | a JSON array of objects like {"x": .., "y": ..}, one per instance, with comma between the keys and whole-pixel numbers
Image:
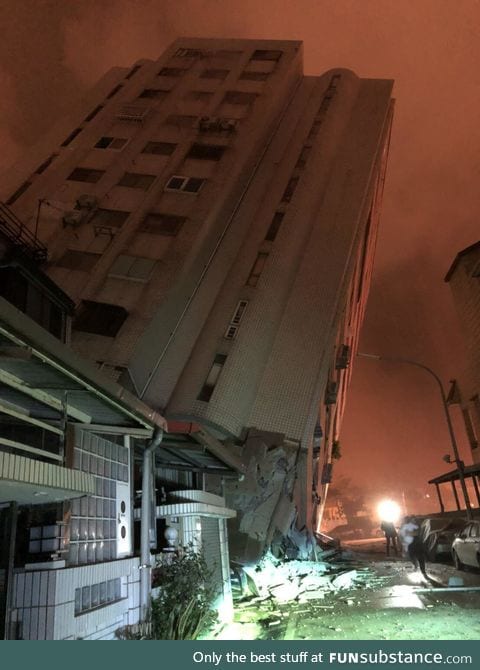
[
  {"x": 416, "y": 549},
  {"x": 406, "y": 533},
  {"x": 390, "y": 531}
]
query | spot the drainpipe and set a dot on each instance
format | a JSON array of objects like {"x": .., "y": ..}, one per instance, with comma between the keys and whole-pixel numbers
[{"x": 145, "y": 523}]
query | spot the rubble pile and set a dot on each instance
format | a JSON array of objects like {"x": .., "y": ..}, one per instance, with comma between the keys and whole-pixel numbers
[{"x": 303, "y": 581}]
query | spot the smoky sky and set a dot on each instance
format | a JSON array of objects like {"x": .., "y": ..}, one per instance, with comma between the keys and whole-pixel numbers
[{"x": 52, "y": 51}]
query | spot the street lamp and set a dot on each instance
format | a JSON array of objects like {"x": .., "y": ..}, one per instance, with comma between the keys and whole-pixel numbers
[{"x": 453, "y": 441}]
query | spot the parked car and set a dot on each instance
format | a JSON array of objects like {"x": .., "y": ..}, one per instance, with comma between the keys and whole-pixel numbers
[
  {"x": 466, "y": 546},
  {"x": 438, "y": 533}
]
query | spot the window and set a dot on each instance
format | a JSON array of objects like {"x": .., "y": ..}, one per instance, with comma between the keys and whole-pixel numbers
[
  {"x": 20, "y": 191},
  {"x": 109, "y": 218},
  {"x": 207, "y": 152},
  {"x": 94, "y": 113},
  {"x": 214, "y": 74},
  {"x": 159, "y": 148},
  {"x": 41, "y": 168},
  {"x": 132, "y": 267},
  {"x": 247, "y": 75},
  {"x": 89, "y": 175},
  {"x": 153, "y": 94},
  {"x": 71, "y": 137},
  {"x": 187, "y": 184},
  {"x": 114, "y": 143},
  {"x": 100, "y": 318},
  {"x": 232, "y": 329},
  {"x": 212, "y": 378},
  {"x": 162, "y": 224},
  {"x": 239, "y": 98},
  {"x": 172, "y": 72},
  {"x": 114, "y": 91},
  {"x": 89, "y": 598},
  {"x": 134, "y": 69},
  {"x": 290, "y": 190},
  {"x": 302, "y": 159},
  {"x": 274, "y": 226},
  {"x": 257, "y": 269},
  {"x": 137, "y": 180},
  {"x": 188, "y": 53},
  {"x": 181, "y": 120},
  {"x": 269, "y": 54},
  {"x": 78, "y": 260}
]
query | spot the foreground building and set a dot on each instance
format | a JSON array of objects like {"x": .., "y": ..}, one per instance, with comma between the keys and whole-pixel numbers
[
  {"x": 463, "y": 278},
  {"x": 213, "y": 216}
]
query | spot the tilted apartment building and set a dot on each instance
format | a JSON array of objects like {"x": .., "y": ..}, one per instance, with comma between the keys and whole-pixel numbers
[{"x": 213, "y": 216}]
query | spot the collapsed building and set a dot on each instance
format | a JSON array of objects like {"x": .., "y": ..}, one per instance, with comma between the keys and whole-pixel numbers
[{"x": 213, "y": 217}]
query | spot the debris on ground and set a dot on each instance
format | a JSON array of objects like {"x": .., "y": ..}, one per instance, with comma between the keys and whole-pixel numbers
[{"x": 274, "y": 580}]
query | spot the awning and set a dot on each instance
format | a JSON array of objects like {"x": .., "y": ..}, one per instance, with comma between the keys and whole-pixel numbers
[
  {"x": 188, "y": 446},
  {"x": 454, "y": 475}
]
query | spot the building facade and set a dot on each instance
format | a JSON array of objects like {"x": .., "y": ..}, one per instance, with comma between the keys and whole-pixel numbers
[
  {"x": 213, "y": 216},
  {"x": 463, "y": 278}
]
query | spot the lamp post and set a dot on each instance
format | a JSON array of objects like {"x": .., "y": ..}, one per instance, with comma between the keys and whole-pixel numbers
[{"x": 453, "y": 441}]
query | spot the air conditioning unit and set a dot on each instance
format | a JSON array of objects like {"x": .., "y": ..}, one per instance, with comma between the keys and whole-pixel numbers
[
  {"x": 331, "y": 393},
  {"x": 343, "y": 357},
  {"x": 74, "y": 218},
  {"x": 230, "y": 125},
  {"x": 87, "y": 201}
]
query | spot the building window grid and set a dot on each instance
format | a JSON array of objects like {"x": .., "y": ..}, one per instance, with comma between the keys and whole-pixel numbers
[
  {"x": 94, "y": 596},
  {"x": 210, "y": 152},
  {"x": 89, "y": 175},
  {"x": 93, "y": 113},
  {"x": 159, "y": 148},
  {"x": 234, "y": 324},
  {"x": 93, "y": 522},
  {"x": 184, "y": 184},
  {"x": 137, "y": 180},
  {"x": 162, "y": 224},
  {"x": 257, "y": 268},
  {"x": 71, "y": 137},
  {"x": 113, "y": 143},
  {"x": 114, "y": 91},
  {"x": 153, "y": 93}
]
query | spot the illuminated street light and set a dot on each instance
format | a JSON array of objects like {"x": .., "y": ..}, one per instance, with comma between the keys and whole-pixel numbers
[
  {"x": 453, "y": 441},
  {"x": 389, "y": 510}
]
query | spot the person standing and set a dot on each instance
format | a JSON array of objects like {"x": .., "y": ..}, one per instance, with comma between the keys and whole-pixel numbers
[
  {"x": 416, "y": 549},
  {"x": 390, "y": 531},
  {"x": 406, "y": 533}
]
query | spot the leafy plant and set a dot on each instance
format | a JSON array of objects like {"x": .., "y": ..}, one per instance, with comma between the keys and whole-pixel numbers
[{"x": 184, "y": 607}]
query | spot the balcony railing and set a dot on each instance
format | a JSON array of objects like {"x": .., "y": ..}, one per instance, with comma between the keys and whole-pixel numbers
[{"x": 20, "y": 236}]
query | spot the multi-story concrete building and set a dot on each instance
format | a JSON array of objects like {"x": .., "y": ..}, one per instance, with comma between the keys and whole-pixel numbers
[
  {"x": 213, "y": 216},
  {"x": 464, "y": 280}
]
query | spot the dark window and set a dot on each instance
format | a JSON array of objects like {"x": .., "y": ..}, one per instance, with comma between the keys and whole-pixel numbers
[
  {"x": 188, "y": 184},
  {"x": 153, "y": 94},
  {"x": 266, "y": 54},
  {"x": 137, "y": 180},
  {"x": 274, "y": 226},
  {"x": 212, "y": 378},
  {"x": 132, "y": 267},
  {"x": 239, "y": 98},
  {"x": 207, "y": 152},
  {"x": 159, "y": 148},
  {"x": 20, "y": 191},
  {"x": 290, "y": 190},
  {"x": 100, "y": 318},
  {"x": 188, "y": 53},
  {"x": 41, "y": 168},
  {"x": 115, "y": 143},
  {"x": 78, "y": 260},
  {"x": 109, "y": 218},
  {"x": 134, "y": 69},
  {"x": 162, "y": 224},
  {"x": 257, "y": 269},
  {"x": 94, "y": 113},
  {"x": 86, "y": 174},
  {"x": 181, "y": 120},
  {"x": 302, "y": 159},
  {"x": 114, "y": 91},
  {"x": 247, "y": 75},
  {"x": 71, "y": 137},
  {"x": 172, "y": 72}
]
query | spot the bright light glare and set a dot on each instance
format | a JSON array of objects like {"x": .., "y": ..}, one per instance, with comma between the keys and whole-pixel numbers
[{"x": 388, "y": 510}]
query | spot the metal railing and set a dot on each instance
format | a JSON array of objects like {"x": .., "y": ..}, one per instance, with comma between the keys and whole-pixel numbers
[{"x": 20, "y": 236}]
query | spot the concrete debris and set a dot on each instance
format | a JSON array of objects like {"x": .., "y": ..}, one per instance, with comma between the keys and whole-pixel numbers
[{"x": 283, "y": 581}]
